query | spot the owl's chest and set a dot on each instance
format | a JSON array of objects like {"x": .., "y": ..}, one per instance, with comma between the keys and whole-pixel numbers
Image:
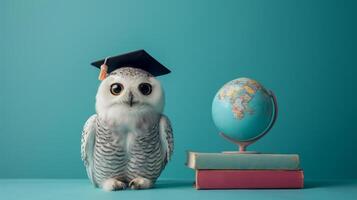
[{"x": 124, "y": 133}]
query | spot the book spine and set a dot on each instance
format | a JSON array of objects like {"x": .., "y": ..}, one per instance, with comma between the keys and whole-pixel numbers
[
  {"x": 249, "y": 179},
  {"x": 252, "y": 161}
]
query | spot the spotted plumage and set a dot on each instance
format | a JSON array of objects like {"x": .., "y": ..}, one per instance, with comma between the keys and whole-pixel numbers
[
  {"x": 131, "y": 72},
  {"x": 129, "y": 141}
]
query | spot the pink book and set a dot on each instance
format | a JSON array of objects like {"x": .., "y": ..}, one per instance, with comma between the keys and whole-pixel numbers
[{"x": 249, "y": 179}]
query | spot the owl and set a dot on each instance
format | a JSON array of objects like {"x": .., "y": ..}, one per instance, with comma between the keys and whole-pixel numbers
[{"x": 128, "y": 142}]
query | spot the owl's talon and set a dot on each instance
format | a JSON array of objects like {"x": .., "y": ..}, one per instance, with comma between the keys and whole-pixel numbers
[
  {"x": 140, "y": 183},
  {"x": 113, "y": 184}
]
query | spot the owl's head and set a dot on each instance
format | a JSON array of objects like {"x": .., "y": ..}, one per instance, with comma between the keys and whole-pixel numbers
[{"x": 129, "y": 90}]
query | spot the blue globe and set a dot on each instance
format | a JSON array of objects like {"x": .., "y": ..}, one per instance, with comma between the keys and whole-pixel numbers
[{"x": 243, "y": 110}]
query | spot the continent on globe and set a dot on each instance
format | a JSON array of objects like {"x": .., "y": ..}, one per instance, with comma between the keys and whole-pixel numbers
[{"x": 239, "y": 93}]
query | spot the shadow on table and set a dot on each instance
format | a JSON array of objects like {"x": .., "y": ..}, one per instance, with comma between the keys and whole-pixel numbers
[
  {"x": 327, "y": 184},
  {"x": 166, "y": 184},
  {"x": 173, "y": 184}
]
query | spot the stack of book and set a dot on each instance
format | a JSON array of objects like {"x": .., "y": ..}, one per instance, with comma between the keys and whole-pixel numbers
[{"x": 250, "y": 171}]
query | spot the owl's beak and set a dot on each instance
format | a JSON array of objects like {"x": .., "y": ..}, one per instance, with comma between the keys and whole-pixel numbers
[{"x": 131, "y": 99}]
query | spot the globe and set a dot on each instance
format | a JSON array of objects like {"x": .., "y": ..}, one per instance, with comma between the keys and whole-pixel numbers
[{"x": 243, "y": 111}]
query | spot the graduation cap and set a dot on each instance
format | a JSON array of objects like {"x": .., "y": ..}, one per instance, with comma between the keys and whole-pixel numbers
[{"x": 137, "y": 59}]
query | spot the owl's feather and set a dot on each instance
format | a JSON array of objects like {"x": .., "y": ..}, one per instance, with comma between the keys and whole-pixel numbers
[
  {"x": 87, "y": 144},
  {"x": 167, "y": 138}
]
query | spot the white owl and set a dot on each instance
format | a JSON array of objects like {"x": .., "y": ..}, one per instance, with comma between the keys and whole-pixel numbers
[{"x": 129, "y": 141}]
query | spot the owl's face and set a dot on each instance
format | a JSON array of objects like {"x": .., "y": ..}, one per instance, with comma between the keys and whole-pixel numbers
[{"x": 129, "y": 90}]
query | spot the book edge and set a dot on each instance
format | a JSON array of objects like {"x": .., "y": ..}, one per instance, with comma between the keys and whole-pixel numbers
[
  {"x": 301, "y": 185},
  {"x": 192, "y": 160}
]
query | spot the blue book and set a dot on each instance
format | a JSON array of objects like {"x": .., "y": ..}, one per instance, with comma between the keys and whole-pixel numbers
[{"x": 198, "y": 161}]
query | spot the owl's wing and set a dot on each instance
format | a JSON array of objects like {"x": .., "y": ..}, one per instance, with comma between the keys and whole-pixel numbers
[
  {"x": 87, "y": 143},
  {"x": 167, "y": 137}
]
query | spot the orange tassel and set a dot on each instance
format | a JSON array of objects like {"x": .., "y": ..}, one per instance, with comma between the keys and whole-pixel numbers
[{"x": 103, "y": 72}]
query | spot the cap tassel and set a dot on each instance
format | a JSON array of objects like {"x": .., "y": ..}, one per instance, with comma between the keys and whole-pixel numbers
[{"x": 103, "y": 70}]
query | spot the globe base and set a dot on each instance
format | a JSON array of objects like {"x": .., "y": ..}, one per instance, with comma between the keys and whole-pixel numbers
[{"x": 240, "y": 152}]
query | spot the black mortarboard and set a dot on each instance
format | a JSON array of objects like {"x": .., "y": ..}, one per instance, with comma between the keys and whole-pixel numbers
[{"x": 138, "y": 59}]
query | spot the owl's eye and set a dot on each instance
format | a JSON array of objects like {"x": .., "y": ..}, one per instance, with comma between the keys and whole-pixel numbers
[
  {"x": 116, "y": 88},
  {"x": 145, "y": 88}
]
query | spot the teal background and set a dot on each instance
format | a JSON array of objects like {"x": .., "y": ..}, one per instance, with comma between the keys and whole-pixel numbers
[{"x": 305, "y": 51}]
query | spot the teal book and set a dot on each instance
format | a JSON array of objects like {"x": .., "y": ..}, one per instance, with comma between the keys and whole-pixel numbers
[{"x": 199, "y": 161}]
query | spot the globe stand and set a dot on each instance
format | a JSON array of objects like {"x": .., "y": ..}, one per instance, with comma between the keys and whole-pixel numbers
[{"x": 242, "y": 145}]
